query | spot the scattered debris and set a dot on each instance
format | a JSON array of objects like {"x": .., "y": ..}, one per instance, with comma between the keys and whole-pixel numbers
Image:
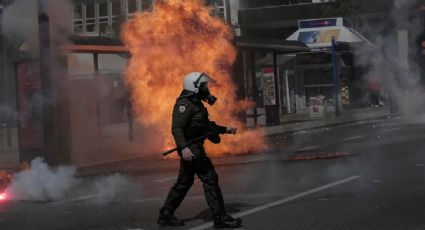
[{"x": 317, "y": 155}]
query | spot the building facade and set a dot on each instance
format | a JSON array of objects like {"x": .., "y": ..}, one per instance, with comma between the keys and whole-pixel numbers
[{"x": 104, "y": 17}]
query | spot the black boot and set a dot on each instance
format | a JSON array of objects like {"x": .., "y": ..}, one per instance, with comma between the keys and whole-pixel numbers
[
  {"x": 166, "y": 218},
  {"x": 226, "y": 221}
]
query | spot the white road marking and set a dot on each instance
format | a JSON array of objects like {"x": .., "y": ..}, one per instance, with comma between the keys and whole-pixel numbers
[
  {"x": 75, "y": 199},
  {"x": 309, "y": 148},
  {"x": 282, "y": 201},
  {"x": 353, "y": 138}
]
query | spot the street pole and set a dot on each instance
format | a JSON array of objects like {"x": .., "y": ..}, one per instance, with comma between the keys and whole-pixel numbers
[
  {"x": 46, "y": 82},
  {"x": 254, "y": 86},
  {"x": 335, "y": 77}
]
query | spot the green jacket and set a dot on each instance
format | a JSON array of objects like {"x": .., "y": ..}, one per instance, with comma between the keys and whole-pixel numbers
[{"x": 191, "y": 120}]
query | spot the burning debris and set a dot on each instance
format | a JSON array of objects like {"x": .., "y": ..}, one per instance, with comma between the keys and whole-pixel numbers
[
  {"x": 5, "y": 180},
  {"x": 317, "y": 155},
  {"x": 177, "y": 38}
]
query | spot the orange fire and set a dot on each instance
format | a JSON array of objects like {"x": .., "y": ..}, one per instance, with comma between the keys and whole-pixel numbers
[
  {"x": 176, "y": 38},
  {"x": 5, "y": 179}
]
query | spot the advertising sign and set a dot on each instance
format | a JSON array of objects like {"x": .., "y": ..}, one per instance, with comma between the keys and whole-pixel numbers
[
  {"x": 324, "y": 36},
  {"x": 305, "y": 24},
  {"x": 269, "y": 90}
]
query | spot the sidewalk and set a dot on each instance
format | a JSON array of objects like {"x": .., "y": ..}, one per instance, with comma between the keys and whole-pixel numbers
[
  {"x": 302, "y": 122},
  {"x": 289, "y": 124}
]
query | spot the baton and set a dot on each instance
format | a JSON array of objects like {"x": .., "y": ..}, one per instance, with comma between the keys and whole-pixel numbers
[{"x": 189, "y": 143}]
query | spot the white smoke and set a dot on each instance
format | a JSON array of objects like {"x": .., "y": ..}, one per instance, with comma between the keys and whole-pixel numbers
[
  {"x": 109, "y": 187},
  {"x": 42, "y": 183},
  {"x": 390, "y": 61},
  {"x": 20, "y": 22}
]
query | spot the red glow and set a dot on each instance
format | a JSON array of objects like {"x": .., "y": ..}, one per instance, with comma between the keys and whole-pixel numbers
[{"x": 3, "y": 196}]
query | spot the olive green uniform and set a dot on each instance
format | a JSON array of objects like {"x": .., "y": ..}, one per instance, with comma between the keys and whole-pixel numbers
[{"x": 190, "y": 120}]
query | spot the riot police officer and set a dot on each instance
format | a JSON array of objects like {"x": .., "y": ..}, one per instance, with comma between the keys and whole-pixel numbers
[{"x": 190, "y": 121}]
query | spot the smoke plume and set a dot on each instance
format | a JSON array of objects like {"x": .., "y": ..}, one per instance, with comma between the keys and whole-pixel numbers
[
  {"x": 393, "y": 62},
  {"x": 20, "y": 22},
  {"x": 42, "y": 183}
]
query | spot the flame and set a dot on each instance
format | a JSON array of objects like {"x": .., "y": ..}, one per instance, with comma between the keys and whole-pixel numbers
[
  {"x": 179, "y": 37},
  {"x": 3, "y": 196},
  {"x": 5, "y": 179}
]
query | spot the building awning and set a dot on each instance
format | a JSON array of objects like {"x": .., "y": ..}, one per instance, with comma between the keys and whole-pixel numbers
[
  {"x": 91, "y": 44},
  {"x": 277, "y": 45},
  {"x": 318, "y": 33}
]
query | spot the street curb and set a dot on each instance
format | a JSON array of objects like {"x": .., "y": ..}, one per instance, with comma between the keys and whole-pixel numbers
[
  {"x": 155, "y": 157},
  {"x": 368, "y": 120}
]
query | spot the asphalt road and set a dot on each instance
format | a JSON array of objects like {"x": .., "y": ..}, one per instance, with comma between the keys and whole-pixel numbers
[{"x": 380, "y": 186}]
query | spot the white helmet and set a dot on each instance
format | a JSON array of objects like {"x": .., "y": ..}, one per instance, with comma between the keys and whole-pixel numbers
[{"x": 192, "y": 81}]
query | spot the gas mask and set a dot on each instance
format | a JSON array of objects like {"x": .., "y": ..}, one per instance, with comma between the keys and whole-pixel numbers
[
  {"x": 205, "y": 95},
  {"x": 203, "y": 91}
]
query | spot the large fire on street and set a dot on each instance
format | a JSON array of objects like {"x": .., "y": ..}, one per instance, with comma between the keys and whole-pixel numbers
[{"x": 176, "y": 38}]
